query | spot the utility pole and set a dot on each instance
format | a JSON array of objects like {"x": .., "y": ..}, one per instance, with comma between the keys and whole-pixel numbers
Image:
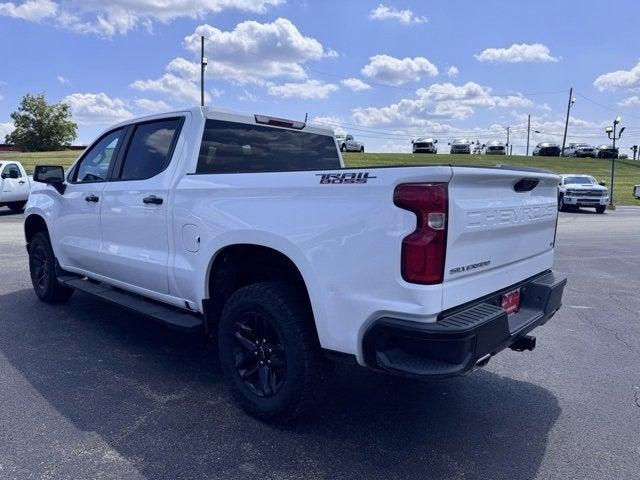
[
  {"x": 566, "y": 122},
  {"x": 203, "y": 64},
  {"x": 528, "y": 132}
]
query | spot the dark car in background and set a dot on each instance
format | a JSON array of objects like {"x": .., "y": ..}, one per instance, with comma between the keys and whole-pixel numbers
[
  {"x": 547, "y": 149},
  {"x": 607, "y": 151}
]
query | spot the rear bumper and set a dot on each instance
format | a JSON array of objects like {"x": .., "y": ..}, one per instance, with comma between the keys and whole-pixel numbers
[{"x": 462, "y": 338}]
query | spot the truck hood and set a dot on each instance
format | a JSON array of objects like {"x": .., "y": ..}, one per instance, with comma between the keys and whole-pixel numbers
[{"x": 585, "y": 186}]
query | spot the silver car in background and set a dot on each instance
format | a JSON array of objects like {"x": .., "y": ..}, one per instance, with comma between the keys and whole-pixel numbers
[
  {"x": 494, "y": 148},
  {"x": 425, "y": 145},
  {"x": 460, "y": 146}
]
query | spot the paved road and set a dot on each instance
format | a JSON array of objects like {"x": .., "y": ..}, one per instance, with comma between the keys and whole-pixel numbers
[{"x": 90, "y": 391}]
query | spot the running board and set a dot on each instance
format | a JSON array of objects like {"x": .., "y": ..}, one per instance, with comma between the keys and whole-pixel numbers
[{"x": 172, "y": 317}]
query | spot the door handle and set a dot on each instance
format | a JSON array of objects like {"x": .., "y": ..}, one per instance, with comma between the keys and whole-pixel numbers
[
  {"x": 153, "y": 200},
  {"x": 21, "y": 182},
  {"x": 91, "y": 198}
]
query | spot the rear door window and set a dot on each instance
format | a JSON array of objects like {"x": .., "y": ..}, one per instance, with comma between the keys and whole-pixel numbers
[
  {"x": 150, "y": 149},
  {"x": 231, "y": 147}
]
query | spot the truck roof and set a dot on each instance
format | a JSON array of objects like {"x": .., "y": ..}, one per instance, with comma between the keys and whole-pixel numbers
[{"x": 230, "y": 116}]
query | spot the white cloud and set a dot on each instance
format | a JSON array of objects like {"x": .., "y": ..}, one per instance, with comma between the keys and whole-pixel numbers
[
  {"x": 254, "y": 51},
  {"x": 405, "y": 17},
  {"x": 247, "y": 96},
  {"x": 633, "y": 101},
  {"x": 438, "y": 101},
  {"x": 308, "y": 90},
  {"x": 355, "y": 84},
  {"x": 518, "y": 53},
  {"x": 619, "y": 79},
  {"x": 97, "y": 108},
  {"x": 331, "y": 122},
  {"x": 5, "y": 129},
  {"x": 62, "y": 80},
  {"x": 452, "y": 71},
  {"x": 152, "y": 106},
  {"x": 396, "y": 71},
  {"x": 117, "y": 17},
  {"x": 180, "y": 82},
  {"x": 32, "y": 10}
]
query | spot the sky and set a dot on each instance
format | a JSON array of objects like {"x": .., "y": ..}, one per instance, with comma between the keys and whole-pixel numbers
[{"x": 386, "y": 72}]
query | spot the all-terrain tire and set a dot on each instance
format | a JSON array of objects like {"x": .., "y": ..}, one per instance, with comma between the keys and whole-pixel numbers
[
  {"x": 42, "y": 267},
  {"x": 601, "y": 208},
  {"x": 288, "y": 319},
  {"x": 17, "y": 207}
]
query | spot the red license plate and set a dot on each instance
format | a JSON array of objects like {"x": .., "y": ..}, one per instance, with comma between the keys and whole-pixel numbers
[{"x": 511, "y": 301}]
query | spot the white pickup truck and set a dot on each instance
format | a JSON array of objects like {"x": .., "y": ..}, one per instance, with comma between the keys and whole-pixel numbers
[
  {"x": 251, "y": 229},
  {"x": 14, "y": 185}
]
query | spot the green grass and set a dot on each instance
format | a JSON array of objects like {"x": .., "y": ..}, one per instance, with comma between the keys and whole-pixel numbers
[{"x": 627, "y": 171}]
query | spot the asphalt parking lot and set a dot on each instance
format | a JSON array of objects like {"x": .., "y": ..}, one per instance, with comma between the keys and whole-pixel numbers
[{"x": 90, "y": 391}]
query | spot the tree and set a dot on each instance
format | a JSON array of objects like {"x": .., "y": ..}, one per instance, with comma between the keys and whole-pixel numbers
[{"x": 40, "y": 126}]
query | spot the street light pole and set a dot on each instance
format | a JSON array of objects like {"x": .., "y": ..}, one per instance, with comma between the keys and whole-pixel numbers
[
  {"x": 610, "y": 131},
  {"x": 508, "y": 131},
  {"x": 566, "y": 122}
]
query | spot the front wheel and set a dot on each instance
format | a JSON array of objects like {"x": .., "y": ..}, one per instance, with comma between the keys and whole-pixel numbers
[
  {"x": 343, "y": 148},
  {"x": 361, "y": 149},
  {"x": 42, "y": 266},
  {"x": 601, "y": 208},
  {"x": 17, "y": 207},
  {"x": 269, "y": 351}
]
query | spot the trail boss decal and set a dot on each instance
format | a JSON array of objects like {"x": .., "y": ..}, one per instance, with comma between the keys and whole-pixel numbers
[
  {"x": 342, "y": 178},
  {"x": 466, "y": 268}
]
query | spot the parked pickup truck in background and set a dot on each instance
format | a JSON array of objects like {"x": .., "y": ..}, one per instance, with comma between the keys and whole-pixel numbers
[
  {"x": 460, "y": 146},
  {"x": 494, "y": 148},
  {"x": 424, "y": 145},
  {"x": 580, "y": 190},
  {"x": 546, "y": 149},
  {"x": 580, "y": 150},
  {"x": 15, "y": 185},
  {"x": 250, "y": 229},
  {"x": 348, "y": 144}
]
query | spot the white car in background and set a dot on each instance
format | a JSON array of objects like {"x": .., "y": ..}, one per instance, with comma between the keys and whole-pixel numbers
[
  {"x": 14, "y": 185},
  {"x": 348, "y": 144},
  {"x": 580, "y": 150},
  {"x": 579, "y": 190},
  {"x": 425, "y": 145}
]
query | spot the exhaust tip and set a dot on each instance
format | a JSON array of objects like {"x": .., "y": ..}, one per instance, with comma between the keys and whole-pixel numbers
[{"x": 482, "y": 361}]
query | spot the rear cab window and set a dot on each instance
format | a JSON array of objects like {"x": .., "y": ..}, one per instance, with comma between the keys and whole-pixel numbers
[
  {"x": 232, "y": 147},
  {"x": 150, "y": 149}
]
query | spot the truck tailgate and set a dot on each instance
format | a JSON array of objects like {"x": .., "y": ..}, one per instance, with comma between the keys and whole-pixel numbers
[{"x": 501, "y": 230}]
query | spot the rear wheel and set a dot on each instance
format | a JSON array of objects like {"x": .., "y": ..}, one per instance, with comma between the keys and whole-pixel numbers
[
  {"x": 343, "y": 148},
  {"x": 42, "y": 266},
  {"x": 269, "y": 351},
  {"x": 17, "y": 206},
  {"x": 601, "y": 208}
]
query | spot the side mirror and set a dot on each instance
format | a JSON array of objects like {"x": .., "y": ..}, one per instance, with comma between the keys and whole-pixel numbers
[
  {"x": 51, "y": 174},
  {"x": 449, "y": 143},
  {"x": 412, "y": 142},
  {"x": 602, "y": 184},
  {"x": 435, "y": 141}
]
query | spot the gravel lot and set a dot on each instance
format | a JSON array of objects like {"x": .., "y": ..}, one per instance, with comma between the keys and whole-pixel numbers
[{"x": 90, "y": 391}]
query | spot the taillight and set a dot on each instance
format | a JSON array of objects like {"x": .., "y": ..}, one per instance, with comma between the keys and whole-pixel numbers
[{"x": 423, "y": 251}]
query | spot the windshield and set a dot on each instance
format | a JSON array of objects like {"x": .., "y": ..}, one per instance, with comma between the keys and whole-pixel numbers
[
  {"x": 460, "y": 140},
  {"x": 578, "y": 180}
]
